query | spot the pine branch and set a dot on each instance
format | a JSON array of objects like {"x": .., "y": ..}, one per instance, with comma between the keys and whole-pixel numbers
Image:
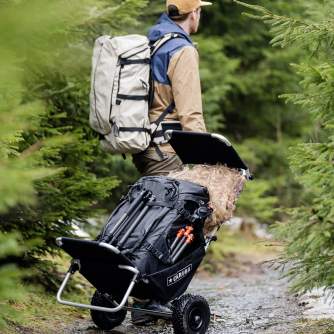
[
  {"x": 288, "y": 30},
  {"x": 31, "y": 149}
]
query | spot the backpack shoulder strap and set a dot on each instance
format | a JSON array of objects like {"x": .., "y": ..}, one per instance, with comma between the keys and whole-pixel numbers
[
  {"x": 162, "y": 41},
  {"x": 155, "y": 47},
  {"x": 154, "y": 126}
]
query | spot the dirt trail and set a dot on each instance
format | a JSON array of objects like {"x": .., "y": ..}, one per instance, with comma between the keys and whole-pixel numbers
[{"x": 257, "y": 301}]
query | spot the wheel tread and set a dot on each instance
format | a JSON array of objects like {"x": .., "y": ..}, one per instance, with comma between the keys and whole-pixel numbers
[
  {"x": 178, "y": 308},
  {"x": 104, "y": 320}
]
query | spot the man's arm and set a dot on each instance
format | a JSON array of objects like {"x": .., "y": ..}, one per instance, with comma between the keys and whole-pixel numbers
[{"x": 183, "y": 72}]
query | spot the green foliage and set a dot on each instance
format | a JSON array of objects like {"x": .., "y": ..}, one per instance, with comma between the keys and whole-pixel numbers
[
  {"x": 309, "y": 232},
  {"x": 257, "y": 196},
  {"x": 18, "y": 170},
  {"x": 242, "y": 80},
  {"x": 62, "y": 138},
  {"x": 218, "y": 80},
  {"x": 9, "y": 275},
  {"x": 52, "y": 171}
]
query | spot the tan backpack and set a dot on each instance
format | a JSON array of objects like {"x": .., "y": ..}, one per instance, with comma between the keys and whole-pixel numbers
[{"x": 120, "y": 92}]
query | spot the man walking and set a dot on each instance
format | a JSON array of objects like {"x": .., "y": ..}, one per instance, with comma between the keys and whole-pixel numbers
[{"x": 177, "y": 87}]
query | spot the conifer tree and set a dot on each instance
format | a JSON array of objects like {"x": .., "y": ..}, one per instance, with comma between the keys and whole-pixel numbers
[
  {"x": 242, "y": 77},
  {"x": 309, "y": 232},
  {"x": 51, "y": 170},
  {"x": 84, "y": 172},
  {"x": 18, "y": 170}
]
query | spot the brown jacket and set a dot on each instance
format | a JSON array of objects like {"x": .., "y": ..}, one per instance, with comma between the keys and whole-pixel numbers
[{"x": 185, "y": 90}]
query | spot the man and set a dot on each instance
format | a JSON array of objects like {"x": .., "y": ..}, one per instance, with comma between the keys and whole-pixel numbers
[{"x": 175, "y": 71}]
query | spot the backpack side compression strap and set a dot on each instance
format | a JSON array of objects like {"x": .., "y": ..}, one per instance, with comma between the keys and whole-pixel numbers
[
  {"x": 133, "y": 129},
  {"x": 132, "y": 97},
  {"x": 125, "y": 61}
]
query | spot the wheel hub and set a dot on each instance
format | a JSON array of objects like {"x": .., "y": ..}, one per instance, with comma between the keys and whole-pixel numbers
[{"x": 195, "y": 319}]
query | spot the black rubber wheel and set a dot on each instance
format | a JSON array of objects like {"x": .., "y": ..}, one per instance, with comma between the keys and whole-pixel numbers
[
  {"x": 106, "y": 320},
  {"x": 191, "y": 315}
]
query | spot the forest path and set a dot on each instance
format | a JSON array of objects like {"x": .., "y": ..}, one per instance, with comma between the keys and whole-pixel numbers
[{"x": 254, "y": 301}]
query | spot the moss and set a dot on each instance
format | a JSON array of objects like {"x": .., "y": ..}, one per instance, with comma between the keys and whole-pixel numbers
[
  {"x": 39, "y": 310},
  {"x": 316, "y": 327},
  {"x": 235, "y": 248}
]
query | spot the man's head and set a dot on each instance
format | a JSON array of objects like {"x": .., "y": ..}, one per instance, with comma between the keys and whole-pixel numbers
[{"x": 186, "y": 12}]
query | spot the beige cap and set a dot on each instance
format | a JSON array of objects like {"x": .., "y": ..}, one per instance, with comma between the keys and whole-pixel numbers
[{"x": 187, "y": 6}]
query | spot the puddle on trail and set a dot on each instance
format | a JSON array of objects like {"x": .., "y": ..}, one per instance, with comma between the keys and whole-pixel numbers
[{"x": 257, "y": 302}]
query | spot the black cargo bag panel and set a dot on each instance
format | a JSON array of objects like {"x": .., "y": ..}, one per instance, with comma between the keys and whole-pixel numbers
[
  {"x": 174, "y": 280},
  {"x": 99, "y": 265},
  {"x": 144, "y": 226}
]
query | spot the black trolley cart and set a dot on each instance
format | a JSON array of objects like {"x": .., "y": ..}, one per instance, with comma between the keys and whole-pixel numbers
[{"x": 118, "y": 267}]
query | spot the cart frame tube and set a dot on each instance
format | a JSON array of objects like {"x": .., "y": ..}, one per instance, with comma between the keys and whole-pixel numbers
[{"x": 92, "y": 307}]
